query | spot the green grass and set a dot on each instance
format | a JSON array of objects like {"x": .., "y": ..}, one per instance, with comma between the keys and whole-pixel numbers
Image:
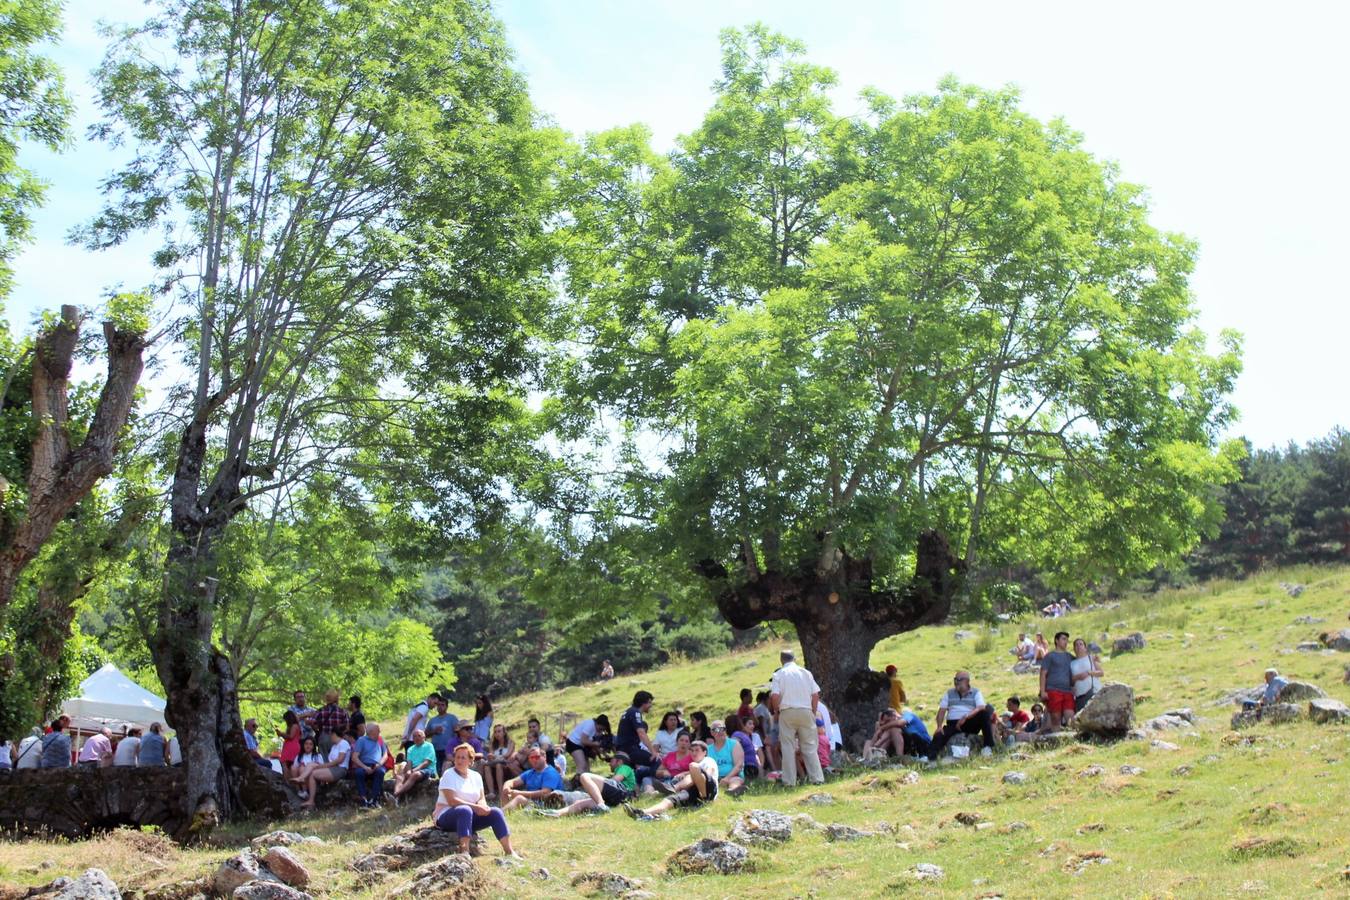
[{"x": 1261, "y": 814}]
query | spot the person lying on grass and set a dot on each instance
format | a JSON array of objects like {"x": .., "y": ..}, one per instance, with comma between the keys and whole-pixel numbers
[
  {"x": 461, "y": 807},
  {"x": 600, "y": 794},
  {"x": 694, "y": 788},
  {"x": 534, "y": 785}
]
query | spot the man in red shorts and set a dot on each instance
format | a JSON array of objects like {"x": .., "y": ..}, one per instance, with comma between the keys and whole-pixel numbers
[{"x": 1057, "y": 683}]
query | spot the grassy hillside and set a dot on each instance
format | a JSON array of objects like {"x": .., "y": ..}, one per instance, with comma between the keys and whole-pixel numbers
[{"x": 1264, "y": 813}]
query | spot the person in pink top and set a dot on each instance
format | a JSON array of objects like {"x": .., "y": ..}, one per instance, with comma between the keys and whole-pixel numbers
[
  {"x": 98, "y": 750},
  {"x": 676, "y": 763}
]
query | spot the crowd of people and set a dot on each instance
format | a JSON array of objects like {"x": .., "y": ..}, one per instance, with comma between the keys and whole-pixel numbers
[{"x": 53, "y": 747}]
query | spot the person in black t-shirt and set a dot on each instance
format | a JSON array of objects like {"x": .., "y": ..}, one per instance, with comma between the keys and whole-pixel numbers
[{"x": 632, "y": 739}]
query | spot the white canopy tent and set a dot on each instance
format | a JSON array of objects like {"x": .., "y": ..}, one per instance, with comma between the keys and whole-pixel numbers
[{"x": 111, "y": 698}]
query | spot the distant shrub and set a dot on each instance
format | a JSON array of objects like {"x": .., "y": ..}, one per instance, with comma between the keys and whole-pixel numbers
[{"x": 985, "y": 642}]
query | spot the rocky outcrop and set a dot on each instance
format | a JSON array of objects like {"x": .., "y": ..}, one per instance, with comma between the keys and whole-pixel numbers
[
  {"x": 761, "y": 826},
  {"x": 407, "y": 849},
  {"x": 268, "y": 890},
  {"x": 1298, "y": 691},
  {"x": 709, "y": 856},
  {"x": 1128, "y": 644},
  {"x": 1337, "y": 640},
  {"x": 286, "y": 865},
  {"x": 1109, "y": 714},
  {"x": 439, "y": 877},
  {"x": 78, "y": 802},
  {"x": 238, "y": 871},
  {"x": 1326, "y": 710}
]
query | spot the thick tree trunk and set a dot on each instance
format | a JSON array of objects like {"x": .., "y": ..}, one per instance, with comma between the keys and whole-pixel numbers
[
  {"x": 58, "y": 476},
  {"x": 222, "y": 781},
  {"x": 840, "y": 617}
]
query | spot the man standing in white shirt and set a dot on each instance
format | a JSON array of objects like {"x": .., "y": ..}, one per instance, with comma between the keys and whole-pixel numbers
[{"x": 794, "y": 696}]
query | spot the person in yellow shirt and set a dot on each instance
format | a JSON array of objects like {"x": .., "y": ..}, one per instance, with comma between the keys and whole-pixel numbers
[{"x": 898, "y": 698}]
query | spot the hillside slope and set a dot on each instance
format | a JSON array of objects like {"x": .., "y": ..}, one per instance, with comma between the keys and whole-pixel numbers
[{"x": 1263, "y": 813}]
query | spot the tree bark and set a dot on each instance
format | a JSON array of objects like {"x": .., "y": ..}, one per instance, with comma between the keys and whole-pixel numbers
[
  {"x": 840, "y": 617},
  {"x": 58, "y": 476}
]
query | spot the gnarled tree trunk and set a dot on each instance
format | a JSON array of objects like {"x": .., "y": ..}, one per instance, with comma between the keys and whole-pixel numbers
[
  {"x": 59, "y": 476},
  {"x": 840, "y": 617}
]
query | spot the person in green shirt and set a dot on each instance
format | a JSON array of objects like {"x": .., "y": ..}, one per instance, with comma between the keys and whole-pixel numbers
[
  {"x": 600, "y": 794},
  {"x": 421, "y": 763}
]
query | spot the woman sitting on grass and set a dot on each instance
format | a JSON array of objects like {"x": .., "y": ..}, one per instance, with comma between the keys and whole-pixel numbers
[
  {"x": 677, "y": 763},
  {"x": 462, "y": 808},
  {"x": 698, "y": 727},
  {"x": 742, "y": 730},
  {"x": 498, "y": 760},
  {"x": 694, "y": 788},
  {"x": 420, "y": 764},
  {"x": 668, "y": 734}
]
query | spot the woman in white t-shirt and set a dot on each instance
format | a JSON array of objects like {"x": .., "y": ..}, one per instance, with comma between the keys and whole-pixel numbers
[
  {"x": 667, "y": 736},
  {"x": 461, "y": 807},
  {"x": 1087, "y": 674},
  {"x": 584, "y": 741},
  {"x": 124, "y": 754},
  {"x": 335, "y": 769}
]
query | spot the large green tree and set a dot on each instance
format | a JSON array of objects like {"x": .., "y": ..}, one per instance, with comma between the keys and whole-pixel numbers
[
  {"x": 838, "y": 359},
  {"x": 357, "y": 193}
]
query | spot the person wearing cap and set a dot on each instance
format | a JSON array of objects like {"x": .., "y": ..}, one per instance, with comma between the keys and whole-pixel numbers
[
  {"x": 962, "y": 709},
  {"x": 465, "y": 735},
  {"x": 461, "y": 806},
  {"x": 794, "y": 697},
  {"x": 694, "y": 788},
  {"x": 532, "y": 786},
  {"x": 898, "y": 698}
]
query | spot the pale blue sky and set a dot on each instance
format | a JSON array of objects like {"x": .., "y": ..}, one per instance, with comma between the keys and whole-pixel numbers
[{"x": 1231, "y": 114}]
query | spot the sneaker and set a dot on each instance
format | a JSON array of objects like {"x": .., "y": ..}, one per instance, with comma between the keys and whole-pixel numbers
[
  {"x": 601, "y": 808},
  {"x": 987, "y": 751},
  {"x": 303, "y": 795},
  {"x": 632, "y": 811},
  {"x": 664, "y": 787}
]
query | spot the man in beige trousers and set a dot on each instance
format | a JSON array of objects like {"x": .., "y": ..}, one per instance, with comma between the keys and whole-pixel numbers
[{"x": 793, "y": 697}]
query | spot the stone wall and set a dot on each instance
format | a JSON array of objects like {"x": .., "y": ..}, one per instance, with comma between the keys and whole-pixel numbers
[{"x": 77, "y": 802}]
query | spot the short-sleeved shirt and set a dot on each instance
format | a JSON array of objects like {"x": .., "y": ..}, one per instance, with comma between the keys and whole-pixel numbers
[
  {"x": 250, "y": 742},
  {"x": 709, "y": 767},
  {"x": 747, "y": 748},
  {"x": 55, "y": 751},
  {"x": 337, "y": 751},
  {"x": 1058, "y": 669},
  {"x": 1021, "y": 717},
  {"x": 629, "y": 726},
  {"x": 1081, "y": 686},
  {"x": 332, "y": 719},
  {"x": 482, "y": 729},
  {"x": 676, "y": 766},
  {"x": 95, "y": 749},
  {"x": 447, "y": 722},
  {"x": 423, "y": 752},
  {"x": 125, "y": 752},
  {"x": 898, "y": 698},
  {"x": 370, "y": 752},
  {"x": 1273, "y": 689},
  {"x": 468, "y": 787},
  {"x": 30, "y": 752},
  {"x": 583, "y": 731},
  {"x": 914, "y": 725},
  {"x": 417, "y": 717},
  {"x": 547, "y": 777},
  {"x": 794, "y": 687},
  {"x": 625, "y": 776},
  {"x": 959, "y": 706},
  {"x": 175, "y": 751},
  {"x": 665, "y": 741},
  {"x": 300, "y": 713}
]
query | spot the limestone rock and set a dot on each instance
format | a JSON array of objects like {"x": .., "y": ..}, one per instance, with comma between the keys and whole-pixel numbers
[
  {"x": 1166, "y": 722},
  {"x": 1092, "y": 771},
  {"x": 71, "y": 802},
  {"x": 1293, "y": 590},
  {"x": 407, "y": 849},
  {"x": 1163, "y": 745},
  {"x": 610, "y": 883},
  {"x": 708, "y": 856},
  {"x": 1131, "y": 770},
  {"x": 285, "y": 865},
  {"x": 268, "y": 890},
  {"x": 239, "y": 870},
  {"x": 802, "y": 820},
  {"x": 761, "y": 826},
  {"x": 910, "y": 777},
  {"x": 1298, "y": 691},
  {"x": 439, "y": 876},
  {"x": 1183, "y": 712},
  {"x": 282, "y": 839},
  {"x": 1309, "y": 620},
  {"x": 1309, "y": 647},
  {"x": 1324, "y": 710},
  {"x": 1280, "y": 712},
  {"x": 964, "y": 635},
  {"x": 838, "y": 832},
  {"x": 969, "y": 819},
  {"x": 94, "y": 884},
  {"x": 1128, "y": 644},
  {"x": 1109, "y": 714},
  {"x": 1014, "y": 778},
  {"x": 927, "y": 872},
  {"x": 818, "y": 799}
]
